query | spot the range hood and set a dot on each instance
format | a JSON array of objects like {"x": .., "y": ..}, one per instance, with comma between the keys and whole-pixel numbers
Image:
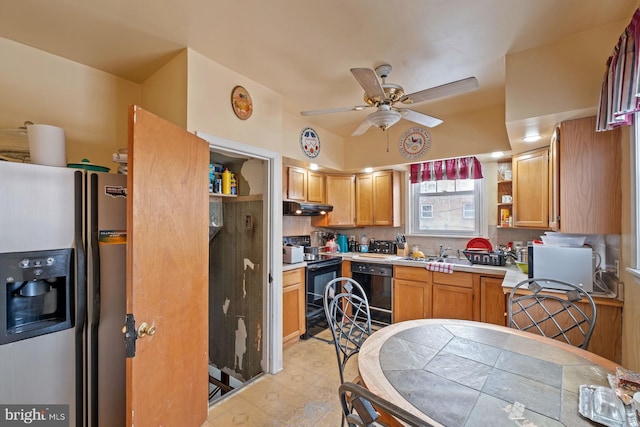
[{"x": 305, "y": 209}]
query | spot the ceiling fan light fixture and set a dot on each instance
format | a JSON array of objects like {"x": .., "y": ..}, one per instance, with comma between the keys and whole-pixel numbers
[{"x": 384, "y": 118}]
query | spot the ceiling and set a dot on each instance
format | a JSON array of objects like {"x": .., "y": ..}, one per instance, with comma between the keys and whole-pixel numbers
[{"x": 305, "y": 49}]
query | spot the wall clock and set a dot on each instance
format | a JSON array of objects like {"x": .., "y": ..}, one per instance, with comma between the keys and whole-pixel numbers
[
  {"x": 241, "y": 103},
  {"x": 414, "y": 143},
  {"x": 310, "y": 142}
]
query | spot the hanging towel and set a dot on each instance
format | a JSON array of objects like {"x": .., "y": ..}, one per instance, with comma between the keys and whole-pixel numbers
[{"x": 442, "y": 267}]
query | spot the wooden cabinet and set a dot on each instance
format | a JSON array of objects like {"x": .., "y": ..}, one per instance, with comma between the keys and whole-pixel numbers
[
  {"x": 531, "y": 189},
  {"x": 554, "y": 181},
  {"x": 505, "y": 195},
  {"x": 304, "y": 186},
  {"x": 492, "y": 300},
  {"x": 341, "y": 194},
  {"x": 378, "y": 199},
  {"x": 315, "y": 187},
  {"x": 293, "y": 305},
  {"x": 411, "y": 293},
  {"x": 422, "y": 294},
  {"x": 589, "y": 179},
  {"x": 455, "y": 296}
]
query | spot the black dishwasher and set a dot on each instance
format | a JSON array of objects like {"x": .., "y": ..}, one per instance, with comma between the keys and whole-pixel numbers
[{"x": 376, "y": 280}]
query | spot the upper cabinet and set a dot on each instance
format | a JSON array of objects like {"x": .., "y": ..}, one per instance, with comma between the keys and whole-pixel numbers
[
  {"x": 589, "y": 182},
  {"x": 378, "y": 199},
  {"x": 341, "y": 194},
  {"x": 304, "y": 186},
  {"x": 531, "y": 189}
]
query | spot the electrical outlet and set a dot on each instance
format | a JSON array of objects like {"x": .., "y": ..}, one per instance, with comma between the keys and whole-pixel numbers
[{"x": 618, "y": 268}]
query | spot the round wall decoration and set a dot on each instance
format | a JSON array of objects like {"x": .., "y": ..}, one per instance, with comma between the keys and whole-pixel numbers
[
  {"x": 310, "y": 142},
  {"x": 414, "y": 143},
  {"x": 241, "y": 103}
]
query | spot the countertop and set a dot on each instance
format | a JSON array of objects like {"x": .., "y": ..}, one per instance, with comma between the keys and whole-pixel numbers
[{"x": 511, "y": 274}]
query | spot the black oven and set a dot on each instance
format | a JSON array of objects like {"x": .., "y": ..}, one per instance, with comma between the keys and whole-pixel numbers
[
  {"x": 319, "y": 273},
  {"x": 376, "y": 281}
]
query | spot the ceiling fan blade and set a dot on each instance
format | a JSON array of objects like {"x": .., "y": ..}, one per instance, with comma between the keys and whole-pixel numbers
[
  {"x": 420, "y": 118},
  {"x": 448, "y": 89},
  {"x": 362, "y": 128},
  {"x": 334, "y": 110},
  {"x": 369, "y": 82}
]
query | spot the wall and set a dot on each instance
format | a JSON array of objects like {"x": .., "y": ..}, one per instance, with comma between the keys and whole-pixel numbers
[
  {"x": 165, "y": 92},
  {"x": 209, "y": 105},
  {"x": 89, "y": 104},
  {"x": 470, "y": 133}
]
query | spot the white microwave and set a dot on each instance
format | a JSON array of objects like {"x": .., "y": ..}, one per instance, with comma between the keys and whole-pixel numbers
[{"x": 568, "y": 264}]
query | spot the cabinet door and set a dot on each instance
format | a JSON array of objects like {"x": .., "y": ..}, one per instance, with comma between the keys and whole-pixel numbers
[
  {"x": 315, "y": 187},
  {"x": 492, "y": 301},
  {"x": 590, "y": 181},
  {"x": 531, "y": 189},
  {"x": 554, "y": 181},
  {"x": 453, "y": 302},
  {"x": 386, "y": 198},
  {"x": 297, "y": 184},
  {"x": 411, "y": 300},
  {"x": 293, "y": 305},
  {"x": 364, "y": 200},
  {"x": 341, "y": 194}
]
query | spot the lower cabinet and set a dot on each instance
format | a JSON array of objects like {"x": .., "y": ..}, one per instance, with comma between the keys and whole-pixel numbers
[
  {"x": 422, "y": 294},
  {"x": 455, "y": 296},
  {"x": 293, "y": 305},
  {"x": 411, "y": 293},
  {"x": 493, "y": 299}
]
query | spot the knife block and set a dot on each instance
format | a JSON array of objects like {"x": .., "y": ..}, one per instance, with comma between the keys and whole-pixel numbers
[{"x": 403, "y": 252}]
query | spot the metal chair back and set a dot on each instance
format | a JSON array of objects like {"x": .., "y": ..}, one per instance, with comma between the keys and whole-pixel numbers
[
  {"x": 554, "y": 309},
  {"x": 347, "y": 310},
  {"x": 363, "y": 408}
]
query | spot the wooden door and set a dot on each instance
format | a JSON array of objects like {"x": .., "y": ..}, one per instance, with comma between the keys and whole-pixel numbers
[
  {"x": 493, "y": 307},
  {"x": 167, "y": 268},
  {"x": 531, "y": 189},
  {"x": 297, "y": 184},
  {"x": 364, "y": 199},
  {"x": 315, "y": 187},
  {"x": 411, "y": 300}
]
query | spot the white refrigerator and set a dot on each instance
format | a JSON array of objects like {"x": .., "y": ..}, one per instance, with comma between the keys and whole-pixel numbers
[{"x": 61, "y": 340}]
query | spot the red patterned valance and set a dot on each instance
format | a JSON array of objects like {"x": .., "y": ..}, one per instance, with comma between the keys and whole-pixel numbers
[
  {"x": 447, "y": 169},
  {"x": 620, "y": 92}
]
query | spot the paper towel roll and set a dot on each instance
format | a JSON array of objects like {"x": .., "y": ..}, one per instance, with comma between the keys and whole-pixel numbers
[{"x": 47, "y": 145}]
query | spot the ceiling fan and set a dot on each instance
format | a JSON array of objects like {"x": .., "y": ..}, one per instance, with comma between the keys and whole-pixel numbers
[{"x": 384, "y": 97}]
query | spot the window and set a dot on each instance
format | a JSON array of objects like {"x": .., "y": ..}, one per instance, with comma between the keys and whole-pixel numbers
[
  {"x": 449, "y": 207},
  {"x": 426, "y": 211}
]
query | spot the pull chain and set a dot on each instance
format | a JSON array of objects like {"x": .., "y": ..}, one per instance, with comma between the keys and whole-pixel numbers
[{"x": 387, "y": 132}]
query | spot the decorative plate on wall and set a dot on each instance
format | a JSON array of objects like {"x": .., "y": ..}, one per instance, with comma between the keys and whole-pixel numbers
[
  {"x": 241, "y": 103},
  {"x": 310, "y": 142},
  {"x": 414, "y": 143}
]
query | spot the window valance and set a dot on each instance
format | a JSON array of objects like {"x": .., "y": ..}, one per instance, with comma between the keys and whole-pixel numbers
[
  {"x": 619, "y": 96},
  {"x": 447, "y": 169}
]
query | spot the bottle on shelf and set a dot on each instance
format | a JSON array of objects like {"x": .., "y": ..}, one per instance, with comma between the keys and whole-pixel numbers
[
  {"x": 234, "y": 188},
  {"x": 226, "y": 181}
]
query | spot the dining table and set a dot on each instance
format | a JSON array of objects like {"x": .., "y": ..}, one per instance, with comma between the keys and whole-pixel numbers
[{"x": 466, "y": 373}]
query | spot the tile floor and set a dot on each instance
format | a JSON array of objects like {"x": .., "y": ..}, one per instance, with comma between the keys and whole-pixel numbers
[{"x": 304, "y": 393}]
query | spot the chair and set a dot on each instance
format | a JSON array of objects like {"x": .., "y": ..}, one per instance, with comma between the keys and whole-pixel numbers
[
  {"x": 347, "y": 310},
  {"x": 360, "y": 408},
  {"x": 554, "y": 309}
]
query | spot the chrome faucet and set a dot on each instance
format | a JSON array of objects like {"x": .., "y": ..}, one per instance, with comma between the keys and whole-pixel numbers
[{"x": 443, "y": 252}]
